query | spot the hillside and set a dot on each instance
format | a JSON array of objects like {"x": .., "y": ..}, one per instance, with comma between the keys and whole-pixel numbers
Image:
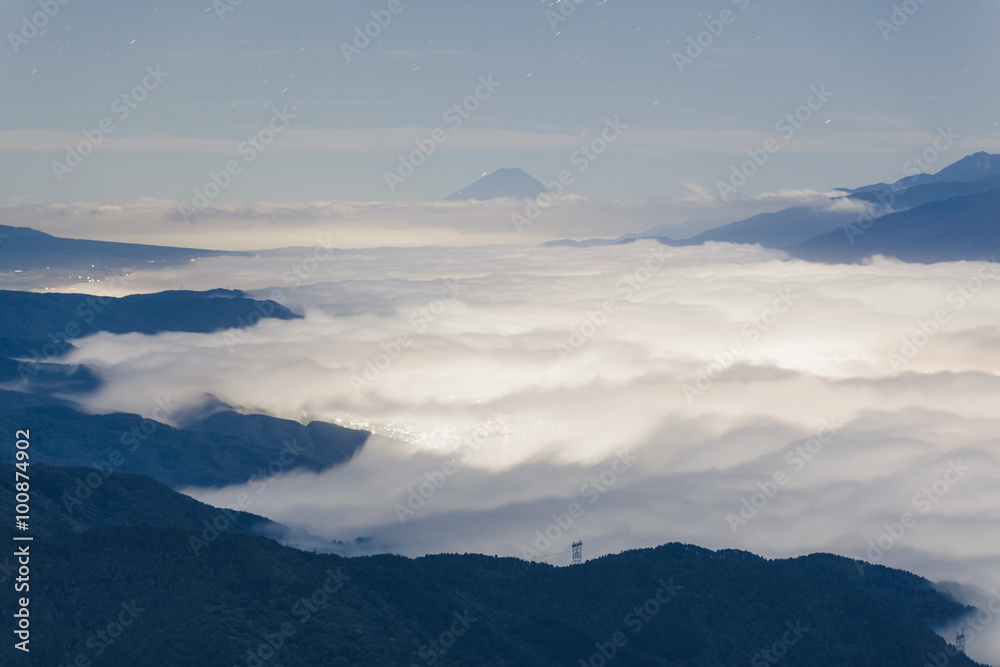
[
  {"x": 36, "y": 315},
  {"x": 73, "y": 500},
  {"x": 960, "y": 228},
  {"x": 193, "y": 597},
  {"x": 780, "y": 229},
  {"x": 38, "y": 327},
  {"x": 225, "y": 447},
  {"x": 25, "y": 249}
]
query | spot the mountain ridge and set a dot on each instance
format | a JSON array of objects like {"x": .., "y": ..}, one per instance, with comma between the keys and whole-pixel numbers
[
  {"x": 228, "y": 447},
  {"x": 238, "y": 598},
  {"x": 26, "y": 249},
  {"x": 948, "y": 216}
]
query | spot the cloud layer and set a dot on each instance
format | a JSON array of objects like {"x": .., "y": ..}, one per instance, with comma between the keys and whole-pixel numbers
[
  {"x": 349, "y": 224},
  {"x": 524, "y": 398}
]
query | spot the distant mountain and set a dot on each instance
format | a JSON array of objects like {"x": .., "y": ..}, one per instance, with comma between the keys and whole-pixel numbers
[
  {"x": 590, "y": 243},
  {"x": 960, "y": 228},
  {"x": 37, "y": 327},
  {"x": 45, "y": 374},
  {"x": 25, "y": 249},
  {"x": 216, "y": 449},
  {"x": 796, "y": 226},
  {"x": 949, "y": 216},
  {"x": 239, "y": 599},
  {"x": 39, "y": 315},
  {"x": 778, "y": 230},
  {"x": 970, "y": 168},
  {"x": 666, "y": 230},
  {"x": 513, "y": 183},
  {"x": 898, "y": 199},
  {"x": 774, "y": 230}
]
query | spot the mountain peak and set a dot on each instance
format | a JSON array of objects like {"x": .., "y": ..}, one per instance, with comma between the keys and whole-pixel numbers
[
  {"x": 970, "y": 168},
  {"x": 501, "y": 183}
]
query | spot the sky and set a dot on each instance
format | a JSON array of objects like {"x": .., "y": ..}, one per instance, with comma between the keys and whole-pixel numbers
[{"x": 224, "y": 69}]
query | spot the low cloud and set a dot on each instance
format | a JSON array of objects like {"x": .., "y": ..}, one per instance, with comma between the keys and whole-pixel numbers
[
  {"x": 255, "y": 225},
  {"x": 717, "y": 368}
]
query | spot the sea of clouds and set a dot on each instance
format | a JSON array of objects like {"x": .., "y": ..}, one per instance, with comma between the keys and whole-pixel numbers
[{"x": 523, "y": 398}]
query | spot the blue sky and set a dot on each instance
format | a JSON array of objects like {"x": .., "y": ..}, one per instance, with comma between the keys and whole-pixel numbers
[{"x": 229, "y": 71}]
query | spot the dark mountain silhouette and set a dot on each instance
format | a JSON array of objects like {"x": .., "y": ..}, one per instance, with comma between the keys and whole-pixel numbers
[
  {"x": 226, "y": 447},
  {"x": 25, "y": 249},
  {"x": 39, "y": 315},
  {"x": 501, "y": 183},
  {"x": 72, "y": 500},
  {"x": 191, "y": 585},
  {"x": 217, "y": 446},
  {"x": 773, "y": 230},
  {"x": 45, "y": 377},
  {"x": 38, "y": 327}
]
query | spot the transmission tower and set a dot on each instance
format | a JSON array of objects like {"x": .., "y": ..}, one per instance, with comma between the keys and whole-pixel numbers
[
  {"x": 960, "y": 640},
  {"x": 577, "y": 553}
]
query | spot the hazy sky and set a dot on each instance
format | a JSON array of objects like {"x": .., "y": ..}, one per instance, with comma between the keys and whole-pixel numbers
[{"x": 230, "y": 65}]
